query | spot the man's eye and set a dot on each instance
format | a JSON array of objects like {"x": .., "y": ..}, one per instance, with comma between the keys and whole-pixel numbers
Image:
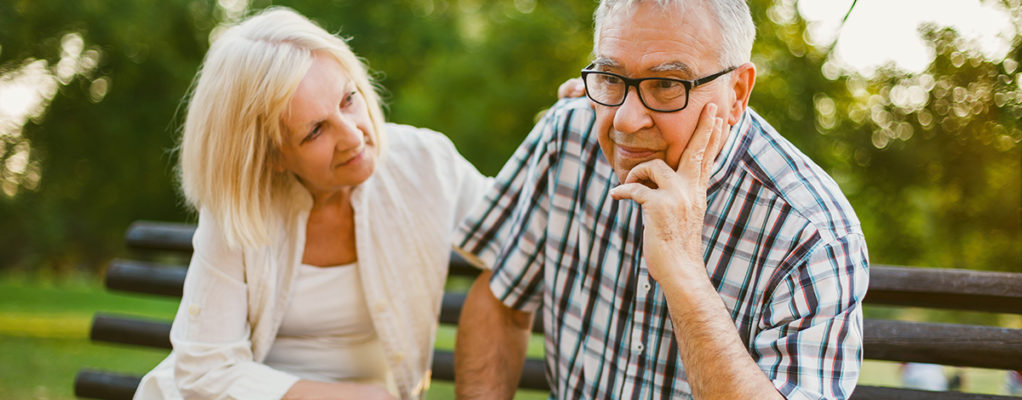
[
  {"x": 668, "y": 85},
  {"x": 610, "y": 79}
]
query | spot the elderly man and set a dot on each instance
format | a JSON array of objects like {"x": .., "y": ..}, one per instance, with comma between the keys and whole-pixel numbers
[{"x": 677, "y": 244}]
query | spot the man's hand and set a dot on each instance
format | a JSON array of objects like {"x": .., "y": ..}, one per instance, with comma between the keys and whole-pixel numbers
[{"x": 674, "y": 203}]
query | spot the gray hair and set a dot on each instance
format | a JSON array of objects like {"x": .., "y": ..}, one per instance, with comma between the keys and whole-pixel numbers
[{"x": 733, "y": 17}]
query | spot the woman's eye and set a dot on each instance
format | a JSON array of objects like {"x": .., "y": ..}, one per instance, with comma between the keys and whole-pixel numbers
[
  {"x": 349, "y": 99},
  {"x": 314, "y": 133}
]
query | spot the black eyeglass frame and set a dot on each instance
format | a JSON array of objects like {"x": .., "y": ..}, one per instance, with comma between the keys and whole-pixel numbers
[{"x": 688, "y": 84}]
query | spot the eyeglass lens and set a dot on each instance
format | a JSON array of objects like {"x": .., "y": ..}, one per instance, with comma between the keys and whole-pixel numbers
[{"x": 658, "y": 94}]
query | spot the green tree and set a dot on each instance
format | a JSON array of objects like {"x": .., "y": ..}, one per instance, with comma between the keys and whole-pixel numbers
[
  {"x": 930, "y": 161},
  {"x": 477, "y": 70},
  {"x": 100, "y": 147}
]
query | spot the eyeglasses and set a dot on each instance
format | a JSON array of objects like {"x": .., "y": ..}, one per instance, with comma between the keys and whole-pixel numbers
[{"x": 657, "y": 94}]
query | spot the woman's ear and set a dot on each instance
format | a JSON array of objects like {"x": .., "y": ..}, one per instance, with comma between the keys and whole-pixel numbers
[
  {"x": 742, "y": 80},
  {"x": 275, "y": 161}
]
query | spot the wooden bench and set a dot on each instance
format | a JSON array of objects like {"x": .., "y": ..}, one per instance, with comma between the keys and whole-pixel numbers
[{"x": 890, "y": 340}]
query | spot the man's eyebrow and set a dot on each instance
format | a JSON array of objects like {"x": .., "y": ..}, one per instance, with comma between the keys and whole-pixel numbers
[
  {"x": 606, "y": 63},
  {"x": 673, "y": 66}
]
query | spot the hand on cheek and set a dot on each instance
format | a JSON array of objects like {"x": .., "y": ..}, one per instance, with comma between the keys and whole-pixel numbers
[{"x": 674, "y": 202}]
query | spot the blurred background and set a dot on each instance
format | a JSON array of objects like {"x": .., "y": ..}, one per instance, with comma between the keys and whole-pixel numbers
[{"x": 914, "y": 107}]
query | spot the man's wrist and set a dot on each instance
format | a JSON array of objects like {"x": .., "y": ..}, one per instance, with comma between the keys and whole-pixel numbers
[{"x": 688, "y": 282}]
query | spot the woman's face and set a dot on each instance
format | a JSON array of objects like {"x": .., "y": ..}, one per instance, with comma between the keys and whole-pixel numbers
[{"x": 328, "y": 142}]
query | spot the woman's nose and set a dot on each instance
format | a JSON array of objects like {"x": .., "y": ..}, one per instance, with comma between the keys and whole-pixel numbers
[{"x": 349, "y": 135}]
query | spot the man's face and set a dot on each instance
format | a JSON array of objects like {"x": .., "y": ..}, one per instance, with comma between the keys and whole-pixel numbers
[{"x": 647, "y": 41}]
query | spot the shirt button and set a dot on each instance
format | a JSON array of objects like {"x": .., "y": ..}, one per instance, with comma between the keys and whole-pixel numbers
[
  {"x": 193, "y": 309},
  {"x": 645, "y": 287},
  {"x": 398, "y": 357},
  {"x": 381, "y": 307},
  {"x": 637, "y": 342}
]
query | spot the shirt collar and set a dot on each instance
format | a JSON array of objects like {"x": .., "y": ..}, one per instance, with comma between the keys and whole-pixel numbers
[{"x": 729, "y": 153}]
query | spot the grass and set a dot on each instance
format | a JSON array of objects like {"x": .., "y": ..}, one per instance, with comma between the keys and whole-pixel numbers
[
  {"x": 44, "y": 341},
  {"x": 44, "y": 330}
]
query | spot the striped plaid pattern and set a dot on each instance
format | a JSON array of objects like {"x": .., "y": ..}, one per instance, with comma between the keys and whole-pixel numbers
[{"x": 783, "y": 248}]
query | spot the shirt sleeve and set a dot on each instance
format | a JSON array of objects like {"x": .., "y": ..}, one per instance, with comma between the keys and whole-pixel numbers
[
  {"x": 468, "y": 184},
  {"x": 810, "y": 344},
  {"x": 211, "y": 335},
  {"x": 506, "y": 231}
]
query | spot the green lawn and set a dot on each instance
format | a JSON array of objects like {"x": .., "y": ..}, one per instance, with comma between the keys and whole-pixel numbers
[{"x": 44, "y": 341}]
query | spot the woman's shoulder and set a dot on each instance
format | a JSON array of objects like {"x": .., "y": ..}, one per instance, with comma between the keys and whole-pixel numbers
[
  {"x": 402, "y": 137},
  {"x": 419, "y": 148}
]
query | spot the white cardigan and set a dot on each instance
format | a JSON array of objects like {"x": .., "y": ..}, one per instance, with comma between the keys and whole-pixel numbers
[{"x": 234, "y": 300}]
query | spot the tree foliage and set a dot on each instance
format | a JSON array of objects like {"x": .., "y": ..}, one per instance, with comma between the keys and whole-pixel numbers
[
  {"x": 101, "y": 152},
  {"x": 930, "y": 161}
]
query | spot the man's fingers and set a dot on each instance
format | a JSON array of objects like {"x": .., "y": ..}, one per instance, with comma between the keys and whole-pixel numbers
[
  {"x": 713, "y": 148},
  {"x": 571, "y": 88},
  {"x": 655, "y": 172},
  {"x": 696, "y": 150},
  {"x": 636, "y": 192}
]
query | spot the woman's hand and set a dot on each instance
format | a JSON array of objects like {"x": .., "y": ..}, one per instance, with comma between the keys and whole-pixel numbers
[
  {"x": 571, "y": 88},
  {"x": 313, "y": 390}
]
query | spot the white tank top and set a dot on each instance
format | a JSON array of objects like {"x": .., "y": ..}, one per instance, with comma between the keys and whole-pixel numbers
[{"x": 327, "y": 333}]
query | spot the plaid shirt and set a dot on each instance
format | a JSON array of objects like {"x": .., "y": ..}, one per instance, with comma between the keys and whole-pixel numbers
[{"x": 782, "y": 247}]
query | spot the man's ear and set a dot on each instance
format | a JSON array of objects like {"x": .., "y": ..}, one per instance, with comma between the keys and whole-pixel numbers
[{"x": 743, "y": 79}]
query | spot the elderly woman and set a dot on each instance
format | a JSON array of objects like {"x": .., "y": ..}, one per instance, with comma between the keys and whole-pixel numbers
[{"x": 323, "y": 237}]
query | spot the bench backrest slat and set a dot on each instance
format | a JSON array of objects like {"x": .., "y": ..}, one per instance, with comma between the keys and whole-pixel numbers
[
  {"x": 952, "y": 289},
  {"x": 946, "y": 344}
]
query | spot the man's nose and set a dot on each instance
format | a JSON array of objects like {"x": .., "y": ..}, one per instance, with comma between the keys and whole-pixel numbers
[{"x": 632, "y": 116}]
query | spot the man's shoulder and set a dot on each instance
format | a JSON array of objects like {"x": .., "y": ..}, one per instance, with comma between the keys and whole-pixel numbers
[
  {"x": 573, "y": 105},
  {"x": 574, "y": 115},
  {"x": 796, "y": 179}
]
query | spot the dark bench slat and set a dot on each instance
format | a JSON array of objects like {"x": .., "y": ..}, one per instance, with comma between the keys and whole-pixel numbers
[
  {"x": 104, "y": 385},
  {"x": 94, "y": 384},
  {"x": 113, "y": 386},
  {"x": 533, "y": 375},
  {"x": 888, "y": 393},
  {"x": 953, "y": 289},
  {"x": 145, "y": 277},
  {"x": 177, "y": 237},
  {"x": 130, "y": 330},
  {"x": 948, "y": 344},
  {"x": 150, "y": 333},
  {"x": 160, "y": 236}
]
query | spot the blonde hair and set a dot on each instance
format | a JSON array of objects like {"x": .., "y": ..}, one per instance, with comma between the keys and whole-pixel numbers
[{"x": 233, "y": 129}]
